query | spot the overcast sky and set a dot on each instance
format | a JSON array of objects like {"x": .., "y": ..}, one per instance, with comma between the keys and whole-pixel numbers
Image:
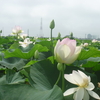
[{"x": 78, "y": 16}]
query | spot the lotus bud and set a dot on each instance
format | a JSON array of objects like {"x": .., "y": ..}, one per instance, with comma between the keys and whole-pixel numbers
[
  {"x": 60, "y": 66},
  {"x": 52, "y": 24},
  {"x": 36, "y": 54},
  {"x": 66, "y": 51}
]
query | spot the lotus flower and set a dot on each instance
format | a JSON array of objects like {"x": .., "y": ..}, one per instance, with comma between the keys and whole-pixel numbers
[
  {"x": 66, "y": 51},
  {"x": 17, "y": 30},
  {"x": 86, "y": 44},
  {"x": 94, "y": 41},
  {"x": 85, "y": 86},
  {"x": 25, "y": 43},
  {"x": 23, "y": 36},
  {"x": 49, "y": 39}
]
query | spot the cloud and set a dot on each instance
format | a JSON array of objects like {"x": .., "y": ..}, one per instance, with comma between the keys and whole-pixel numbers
[
  {"x": 39, "y": 11},
  {"x": 77, "y": 16}
]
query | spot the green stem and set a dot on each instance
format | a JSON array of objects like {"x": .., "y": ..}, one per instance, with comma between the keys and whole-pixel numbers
[
  {"x": 51, "y": 35},
  {"x": 58, "y": 78},
  {"x": 51, "y": 43},
  {"x": 17, "y": 36},
  {"x": 52, "y": 49},
  {"x": 63, "y": 82}
]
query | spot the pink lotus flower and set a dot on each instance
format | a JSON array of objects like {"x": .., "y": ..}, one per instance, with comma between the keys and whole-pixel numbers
[
  {"x": 85, "y": 44},
  {"x": 66, "y": 51},
  {"x": 94, "y": 40},
  {"x": 17, "y": 30}
]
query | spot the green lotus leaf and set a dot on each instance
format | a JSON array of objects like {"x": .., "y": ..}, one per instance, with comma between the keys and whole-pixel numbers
[
  {"x": 25, "y": 53},
  {"x": 12, "y": 62},
  {"x": 26, "y": 92}
]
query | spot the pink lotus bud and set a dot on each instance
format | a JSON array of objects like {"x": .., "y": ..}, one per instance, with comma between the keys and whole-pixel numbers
[
  {"x": 66, "y": 51},
  {"x": 86, "y": 44},
  {"x": 94, "y": 40}
]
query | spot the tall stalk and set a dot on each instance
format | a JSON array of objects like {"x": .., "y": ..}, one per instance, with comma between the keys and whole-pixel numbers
[
  {"x": 52, "y": 25},
  {"x": 63, "y": 80}
]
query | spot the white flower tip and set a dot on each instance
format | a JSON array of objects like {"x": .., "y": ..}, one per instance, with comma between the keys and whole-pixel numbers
[{"x": 94, "y": 95}]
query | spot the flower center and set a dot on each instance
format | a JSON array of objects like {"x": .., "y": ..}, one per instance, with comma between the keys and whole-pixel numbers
[{"x": 85, "y": 83}]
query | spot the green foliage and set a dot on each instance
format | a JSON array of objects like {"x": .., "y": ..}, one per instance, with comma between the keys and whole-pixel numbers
[
  {"x": 42, "y": 89},
  {"x": 92, "y": 52},
  {"x": 46, "y": 43},
  {"x": 40, "y": 73},
  {"x": 4, "y": 40},
  {"x": 26, "y": 92},
  {"x": 31, "y": 73},
  {"x": 25, "y": 53},
  {"x": 12, "y": 62},
  {"x": 93, "y": 63},
  {"x": 13, "y": 77}
]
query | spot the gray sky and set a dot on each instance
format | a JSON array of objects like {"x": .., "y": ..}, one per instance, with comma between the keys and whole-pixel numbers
[{"x": 78, "y": 16}]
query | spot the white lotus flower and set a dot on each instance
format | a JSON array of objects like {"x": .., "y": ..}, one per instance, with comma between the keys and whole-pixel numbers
[
  {"x": 49, "y": 39},
  {"x": 23, "y": 36},
  {"x": 85, "y": 86},
  {"x": 35, "y": 38},
  {"x": 25, "y": 43}
]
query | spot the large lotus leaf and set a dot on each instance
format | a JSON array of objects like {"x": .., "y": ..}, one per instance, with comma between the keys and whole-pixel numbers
[
  {"x": 85, "y": 54},
  {"x": 14, "y": 45},
  {"x": 26, "y": 92},
  {"x": 12, "y": 62},
  {"x": 27, "y": 48},
  {"x": 46, "y": 43},
  {"x": 90, "y": 63},
  {"x": 30, "y": 63},
  {"x": 44, "y": 74},
  {"x": 0, "y": 56},
  {"x": 94, "y": 59},
  {"x": 93, "y": 63},
  {"x": 95, "y": 66},
  {"x": 4, "y": 40},
  {"x": 44, "y": 55},
  {"x": 3, "y": 80},
  {"x": 25, "y": 53},
  {"x": 13, "y": 77}
]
